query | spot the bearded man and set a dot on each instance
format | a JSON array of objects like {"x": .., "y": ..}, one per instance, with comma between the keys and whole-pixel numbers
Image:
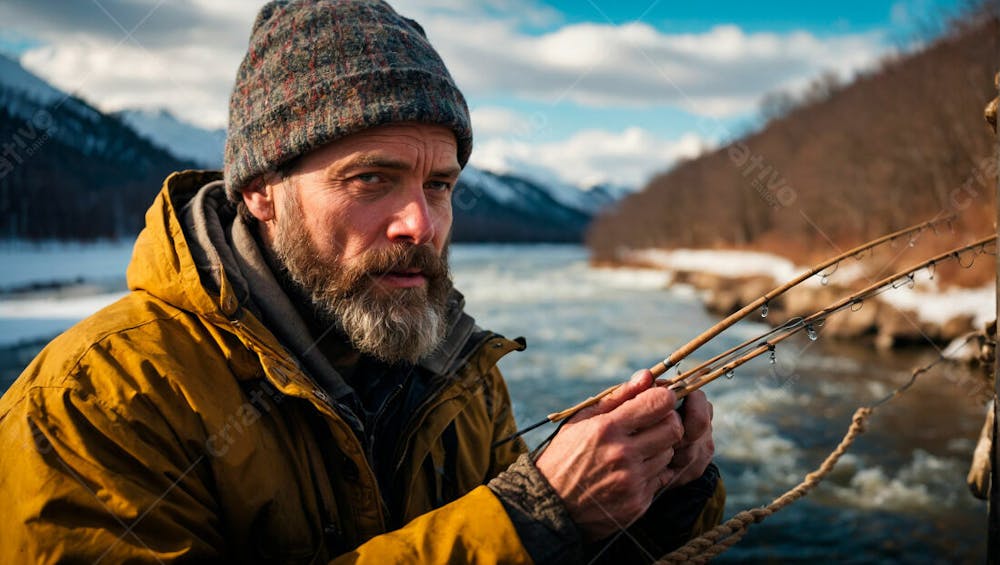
[{"x": 292, "y": 377}]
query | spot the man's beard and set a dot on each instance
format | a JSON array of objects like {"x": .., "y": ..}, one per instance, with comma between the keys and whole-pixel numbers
[{"x": 390, "y": 324}]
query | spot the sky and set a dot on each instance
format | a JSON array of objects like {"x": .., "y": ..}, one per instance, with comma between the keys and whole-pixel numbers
[{"x": 579, "y": 91}]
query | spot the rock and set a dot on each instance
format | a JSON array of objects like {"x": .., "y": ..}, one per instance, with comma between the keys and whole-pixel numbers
[
  {"x": 750, "y": 289},
  {"x": 853, "y": 324},
  {"x": 805, "y": 300},
  {"x": 727, "y": 295},
  {"x": 722, "y": 302},
  {"x": 898, "y": 327},
  {"x": 957, "y": 327}
]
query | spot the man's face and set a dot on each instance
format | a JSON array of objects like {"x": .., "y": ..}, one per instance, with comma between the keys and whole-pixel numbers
[{"x": 362, "y": 225}]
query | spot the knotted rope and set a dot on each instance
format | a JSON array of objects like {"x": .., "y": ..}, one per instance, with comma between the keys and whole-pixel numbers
[{"x": 725, "y": 535}]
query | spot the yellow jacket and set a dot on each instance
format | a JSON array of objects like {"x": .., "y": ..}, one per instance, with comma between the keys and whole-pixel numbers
[{"x": 173, "y": 425}]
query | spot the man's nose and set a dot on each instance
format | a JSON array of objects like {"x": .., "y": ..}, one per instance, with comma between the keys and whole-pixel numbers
[{"x": 412, "y": 221}]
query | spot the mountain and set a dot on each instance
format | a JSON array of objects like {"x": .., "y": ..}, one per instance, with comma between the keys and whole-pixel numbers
[
  {"x": 902, "y": 143},
  {"x": 203, "y": 146},
  {"x": 73, "y": 172},
  {"x": 67, "y": 170},
  {"x": 488, "y": 207},
  {"x": 507, "y": 208},
  {"x": 15, "y": 77}
]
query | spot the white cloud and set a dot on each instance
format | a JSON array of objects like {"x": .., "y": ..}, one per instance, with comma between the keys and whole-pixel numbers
[
  {"x": 189, "y": 68},
  {"x": 129, "y": 76},
  {"x": 497, "y": 120},
  {"x": 723, "y": 71},
  {"x": 190, "y": 71},
  {"x": 519, "y": 12},
  {"x": 589, "y": 157}
]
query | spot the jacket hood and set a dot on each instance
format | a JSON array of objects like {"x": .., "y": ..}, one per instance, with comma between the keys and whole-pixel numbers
[{"x": 162, "y": 262}]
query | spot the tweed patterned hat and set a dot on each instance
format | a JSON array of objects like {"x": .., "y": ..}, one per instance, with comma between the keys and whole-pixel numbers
[{"x": 318, "y": 70}]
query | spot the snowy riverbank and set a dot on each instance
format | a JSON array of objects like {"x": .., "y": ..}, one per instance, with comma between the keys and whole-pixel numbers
[{"x": 729, "y": 279}]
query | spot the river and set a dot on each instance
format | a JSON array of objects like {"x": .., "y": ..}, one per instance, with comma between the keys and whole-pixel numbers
[{"x": 898, "y": 495}]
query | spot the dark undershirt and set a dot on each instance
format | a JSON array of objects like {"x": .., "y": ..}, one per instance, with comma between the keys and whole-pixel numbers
[{"x": 380, "y": 390}]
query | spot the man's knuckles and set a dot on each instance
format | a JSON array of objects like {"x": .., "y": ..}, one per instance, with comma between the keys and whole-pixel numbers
[
  {"x": 673, "y": 428},
  {"x": 616, "y": 456},
  {"x": 659, "y": 398}
]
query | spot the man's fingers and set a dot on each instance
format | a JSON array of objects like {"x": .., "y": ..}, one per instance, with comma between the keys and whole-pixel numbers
[
  {"x": 665, "y": 432},
  {"x": 697, "y": 416},
  {"x": 690, "y": 462},
  {"x": 657, "y": 461},
  {"x": 660, "y": 480},
  {"x": 640, "y": 381},
  {"x": 683, "y": 456},
  {"x": 648, "y": 409}
]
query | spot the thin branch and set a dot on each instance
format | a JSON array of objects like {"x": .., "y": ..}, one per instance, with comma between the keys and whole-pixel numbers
[{"x": 684, "y": 386}]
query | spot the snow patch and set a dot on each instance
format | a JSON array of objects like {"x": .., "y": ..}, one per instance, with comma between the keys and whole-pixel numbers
[
  {"x": 728, "y": 263},
  {"x": 76, "y": 308},
  {"x": 926, "y": 301},
  {"x": 940, "y": 307}
]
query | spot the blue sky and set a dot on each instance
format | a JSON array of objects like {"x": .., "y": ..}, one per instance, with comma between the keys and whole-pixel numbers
[
  {"x": 580, "y": 91},
  {"x": 822, "y": 18}
]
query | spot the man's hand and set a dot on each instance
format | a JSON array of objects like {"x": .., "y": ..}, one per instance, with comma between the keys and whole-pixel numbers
[{"x": 609, "y": 460}]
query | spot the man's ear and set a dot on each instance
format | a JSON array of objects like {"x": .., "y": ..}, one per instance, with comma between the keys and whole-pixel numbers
[{"x": 259, "y": 199}]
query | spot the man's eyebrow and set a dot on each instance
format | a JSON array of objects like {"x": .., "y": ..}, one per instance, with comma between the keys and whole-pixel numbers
[
  {"x": 381, "y": 162},
  {"x": 447, "y": 172},
  {"x": 377, "y": 161}
]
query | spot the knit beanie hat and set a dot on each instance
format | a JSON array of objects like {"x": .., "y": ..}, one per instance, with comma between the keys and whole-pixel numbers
[{"x": 318, "y": 70}]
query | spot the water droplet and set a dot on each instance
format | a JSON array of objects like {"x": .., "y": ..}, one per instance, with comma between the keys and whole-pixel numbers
[
  {"x": 730, "y": 374},
  {"x": 913, "y": 242},
  {"x": 825, "y": 280},
  {"x": 811, "y": 333},
  {"x": 772, "y": 359},
  {"x": 763, "y": 310},
  {"x": 912, "y": 282}
]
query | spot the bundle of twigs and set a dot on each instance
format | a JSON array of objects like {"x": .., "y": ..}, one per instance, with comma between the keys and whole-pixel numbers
[{"x": 726, "y": 362}]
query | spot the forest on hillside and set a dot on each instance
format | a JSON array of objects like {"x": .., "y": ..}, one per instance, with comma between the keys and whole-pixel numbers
[
  {"x": 839, "y": 165},
  {"x": 70, "y": 172}
]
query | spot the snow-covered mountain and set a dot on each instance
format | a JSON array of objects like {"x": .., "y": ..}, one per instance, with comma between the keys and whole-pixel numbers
[
  {"x": 491, "y": 207},
  {"x": 15, "y": 77},
  {"x": 108, "y": 167},
  {"x": 69, "y": 171},
  {"x": 26, "y": 97},
  {"x": 487, "y": 206},
  {"x": 203, "y": 146}
]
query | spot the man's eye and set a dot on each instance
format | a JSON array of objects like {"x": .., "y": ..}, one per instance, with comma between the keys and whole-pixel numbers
[
  {"x": 439, "y": 186},
  {"x": 369, "y": 178}
]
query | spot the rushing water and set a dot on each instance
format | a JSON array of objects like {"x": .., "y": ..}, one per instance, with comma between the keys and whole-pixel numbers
[{"x": 899, "y": 494}]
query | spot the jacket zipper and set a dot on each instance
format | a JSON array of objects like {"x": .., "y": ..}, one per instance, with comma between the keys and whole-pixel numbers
[
  {"x": 372, "y": 432},
  {"x": 425, "y": 407}
]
